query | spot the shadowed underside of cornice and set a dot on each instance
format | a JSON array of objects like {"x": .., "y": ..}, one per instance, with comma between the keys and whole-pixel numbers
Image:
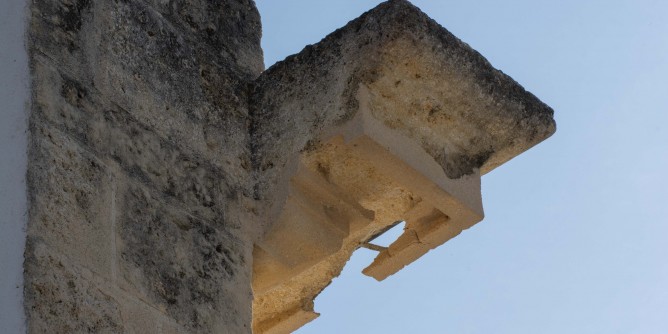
[{"x": 390, "y": 118}]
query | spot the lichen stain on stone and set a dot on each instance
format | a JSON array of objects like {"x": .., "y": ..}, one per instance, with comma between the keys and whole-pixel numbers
[
  {"x": 71, "y": 13},
  {"x": 183, "y": 259},
  {"x": 161, "y": 153}
]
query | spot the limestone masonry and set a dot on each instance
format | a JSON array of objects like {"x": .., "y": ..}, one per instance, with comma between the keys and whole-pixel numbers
[{"x": 175, "y": 186}]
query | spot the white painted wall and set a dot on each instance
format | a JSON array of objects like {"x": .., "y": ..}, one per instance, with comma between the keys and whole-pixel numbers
[{"x": 14, "y": 110}]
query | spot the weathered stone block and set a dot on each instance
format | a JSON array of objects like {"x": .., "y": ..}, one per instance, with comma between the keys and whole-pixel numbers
[
  {"x": 62, "y": 31},
  {"x": 159, "y": 157},
  {"x": 115, "y": 135},
  {"x": 173, "y": 81},
  {"x": 71, "y": 194},
  {"x": 147, "y": 95},
  {"x": 413, "y": 77},
  {"x": 230, "y": 27},
  {"x": 63, "y": 299},
  {"x": 142, "y": 318},
  {"x": 190, "y": 268},
  {"x": 400, "y": 114},
  {"x": 170, "y": 83}
]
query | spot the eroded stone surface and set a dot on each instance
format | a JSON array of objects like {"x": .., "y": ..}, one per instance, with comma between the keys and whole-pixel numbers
[
  {"x": 183, "y": 264},
  {"x": 72, "y": 209},
  {"x": 368, "y": 191},
  {"x": 62, "y": 299},
  {"x": 139, "y": 124},
  {"x": 165, "y": 168},
  {"x": 392, "y": 88},
  {"x": 463, "y": 112}
]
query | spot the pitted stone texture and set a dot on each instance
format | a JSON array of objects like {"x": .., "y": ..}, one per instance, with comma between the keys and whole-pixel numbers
[
  {"x": 152, "y": 144},
  {"x": 231, "y": 28},
  {"x": 156, "y": 73},
  {"x": 61, "y": 31},
  {"x": 63, "y": 299},
  {"x": 71, "y": 199},
  {"x": 111, "y": 133},
  {"x": 401, "y": 80},
  {"x": 422, "y": 81},
  {"x": 183, "y": 264},
  {"x": 141, "y": 318},
  {"x": 146, "y": 95},
  {"x": 166, "y": 78}
]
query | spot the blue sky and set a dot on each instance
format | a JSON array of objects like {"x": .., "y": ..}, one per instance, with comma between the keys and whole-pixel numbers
[{"x": 575, "y": 238}]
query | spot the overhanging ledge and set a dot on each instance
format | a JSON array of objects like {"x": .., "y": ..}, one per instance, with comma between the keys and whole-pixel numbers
[{"x": 391, "y": 88}]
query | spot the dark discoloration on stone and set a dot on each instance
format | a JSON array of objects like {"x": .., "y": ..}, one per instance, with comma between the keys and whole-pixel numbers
[
  {"x": 145, "y": 95},
  {"x": 232, "y": 28},
  {"x": 72, "y": 15},
  {"x": 191, "y": 190},
  {"x": 532, "y": 120},
  {"x": 163, "y": 76},
  {"x": 174, "y": 85},
  {"x": 187, "y": 265},
  {"x": 154, "y": 136},
  {"x": 70, "y": 192},
  {"x": 397, "y": 77},
  {"x": 367, "y": 52},
  {"x": 62, "y": 20},
  {"x": 61, "y": 299},
  {"x": 189, "y": 180}
]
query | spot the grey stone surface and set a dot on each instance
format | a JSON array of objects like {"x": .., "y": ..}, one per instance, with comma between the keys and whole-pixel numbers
[
  {"x": 139, "y": 162},
  {"x": 404, "y": 58},
  {"x": 160, "y": 152},
  {"x": 71, "y": 199},
  {"x": 116, "y": 136},
  {"x": 230, "y": 29},
  {"x": 139, "y": 317},
  {"x": 164, "y": 77},
  {"x": 191, "y": 268},
  {"x": 60, "y": 297}
]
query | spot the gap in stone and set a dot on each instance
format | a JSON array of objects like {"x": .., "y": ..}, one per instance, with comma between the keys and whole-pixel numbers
[
  {"x": 346, "y": 289},
  {"x": 389, "y": 236}
]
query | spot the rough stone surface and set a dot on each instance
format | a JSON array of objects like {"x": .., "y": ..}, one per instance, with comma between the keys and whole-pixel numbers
[
  {"x": 396, "y": 79},
  {"x": 68, "y": 301},
  {"x": 181, "y": 263},
  {"x": 139, "y": 165},
  {"x": 174, "y": 186},
  {"x": 417, "y": 73},
  {"x": 72, "y": 210}
]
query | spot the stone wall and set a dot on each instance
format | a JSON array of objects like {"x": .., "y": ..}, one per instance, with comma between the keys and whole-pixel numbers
[
  {"x": 166, "y": 167},
  {"x": 140, "y": 209}
]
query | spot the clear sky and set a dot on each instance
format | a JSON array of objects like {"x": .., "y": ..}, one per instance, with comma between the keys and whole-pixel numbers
[{"x": 575, "y": 238}]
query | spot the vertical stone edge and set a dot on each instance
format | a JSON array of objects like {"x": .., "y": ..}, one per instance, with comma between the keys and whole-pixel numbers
[{"x": 14, "y": 94}]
